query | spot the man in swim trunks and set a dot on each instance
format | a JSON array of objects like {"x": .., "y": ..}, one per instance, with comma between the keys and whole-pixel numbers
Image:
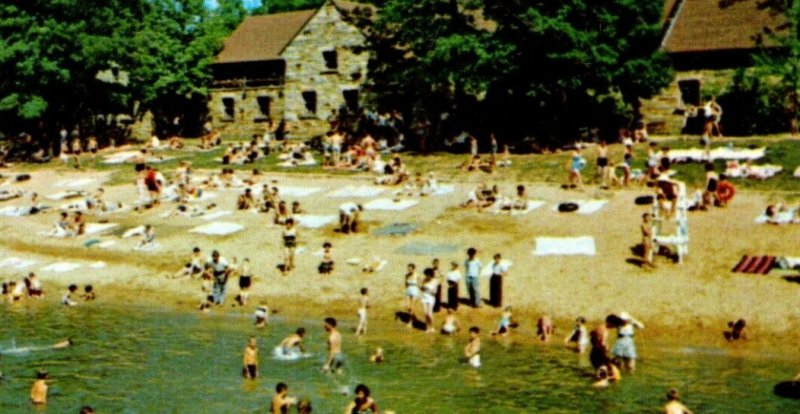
[
  {"x": 292, "y": 341},
  {"x": 250, "y": 360},
  {"x": 335, "y": 359}
]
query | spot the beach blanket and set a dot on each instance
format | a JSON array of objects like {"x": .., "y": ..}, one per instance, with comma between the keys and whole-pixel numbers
[
  {"x": 75, "y": 183},
  {"x": 297, "y": 163},
  {"x": 66, "y": 195},
  {"x": 444, "y": 190},
  {"x": 313, "y": 221},
  {"x": 20, "y": 211},
  {"x": 781, "y": 217},
  {"x": 356, "y": 191},
  {"x": 128, "y": 156},
  {"x": 755, "y": 264},
  {"x": 529, "y": 206},
  {"x": 106, "y": 244},
  {"x": 554, "y": 246},
  {"x": 395, "y": 229},
  {"x": 387, "y": 204},
  {"x": 98, "y": 265},
  {"x": 15, "y": 263},
  {"x": 290, "y": 191},
  {"x": 720, "y": 153},
  {"x": 97, "y": 228},
  {"x": 215, "y": 215},
  {"x": 586, "y": 207},
  {"x": 759, "y": 172},
  {"x": 136, "y": 231},
  {"x": 427, "y": 249},
  {"x": 217, "y": 228},
  {"x": 61, "y": 267}
]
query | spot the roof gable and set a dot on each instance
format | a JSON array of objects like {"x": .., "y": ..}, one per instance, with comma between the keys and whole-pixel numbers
[
  {"x": 260, "y": 38},
  {"x": 717, "y": 25}
]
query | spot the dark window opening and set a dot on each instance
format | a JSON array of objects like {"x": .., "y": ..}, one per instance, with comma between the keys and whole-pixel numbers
[
  {"x": 331, "y": 59},
  {"x": 351, "y": 99},
  {"x": 355, "y": 76},
  {"x": 229, "y": 108},
  {"x": 310, "y": 98},
  {"x": 264, "y": 105},
  {"x": 690, "y": 91}
]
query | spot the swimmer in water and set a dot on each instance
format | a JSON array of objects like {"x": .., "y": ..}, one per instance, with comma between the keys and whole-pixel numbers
[
  {"x": 473, "y": 348},
  {"x": 293, "y": 341}
]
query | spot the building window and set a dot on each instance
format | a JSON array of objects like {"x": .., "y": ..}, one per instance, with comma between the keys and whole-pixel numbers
[
  {"x": 264, "y": 106},
  {"x": 331, "y": 59},
  {"x": 228, "y": 108},
  {"x": 310, "y": 99},
  {"x": 690, "y": 91},
  {"x": 351, "y": 99}
]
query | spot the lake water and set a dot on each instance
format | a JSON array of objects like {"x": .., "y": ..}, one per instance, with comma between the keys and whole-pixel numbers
[{"x": 136, "y": 360}]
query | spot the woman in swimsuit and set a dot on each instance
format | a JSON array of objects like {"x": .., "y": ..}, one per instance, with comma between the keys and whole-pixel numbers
[
  {"x": 363, "y": 403},
  {"x": 412, "y": 290},
  {"x": 289, "y": 244}
]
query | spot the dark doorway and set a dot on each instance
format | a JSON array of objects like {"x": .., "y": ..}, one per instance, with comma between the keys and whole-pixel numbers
[
  {"x": 351, "y": 99},
  {"x": 229, "y": 108},
  {"x": 310, "y": 98},
  {"x": 690, "y": 91},
  {"x": 264, "y": 105}
]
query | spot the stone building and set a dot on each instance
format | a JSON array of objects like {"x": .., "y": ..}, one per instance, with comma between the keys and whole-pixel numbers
[
  {"x": 297, "y": 66},
  {"x": 707, "y": 41}
]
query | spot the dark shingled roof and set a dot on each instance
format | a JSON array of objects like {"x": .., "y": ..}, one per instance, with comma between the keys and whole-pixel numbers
[
  {"x": 260, "y": 38},
  {"x": 717, "y": 25}
]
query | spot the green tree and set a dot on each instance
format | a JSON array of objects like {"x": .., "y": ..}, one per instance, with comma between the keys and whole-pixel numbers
[{"x": 277, "y": 6}]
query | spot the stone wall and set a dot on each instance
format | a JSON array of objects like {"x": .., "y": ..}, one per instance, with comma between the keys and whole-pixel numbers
[
  {"x": 307, "y": 71},
  {"x": 664, "y": 114},
  {"x": 248, "y": 117}
]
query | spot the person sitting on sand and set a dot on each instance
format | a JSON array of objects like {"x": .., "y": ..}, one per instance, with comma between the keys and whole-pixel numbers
[
  {"x": 450, "y": 325},
  {"x": 34, "y": 286},
  {"x": 472, "y": 351},
  {"x": 579, "y": 336},
  {"x": 148, "y": 238},
  {"x": 66, "y": 299},
  {"x": 738, "y": 330},
  {"x": 545, "y": 328},
  {"x": 363, "y": 403},
  {"x": 39, "y": 388},
  {"x": 282, "y": 214},
  {"x": 250, "y": 360},
  {"x": 245, "y": 200},
  {"x": 296, "y": 208},
  {"x": 674, "y": 406},
  {"x": 281, "y": 401},
  {"x": 293, "y": 344}
]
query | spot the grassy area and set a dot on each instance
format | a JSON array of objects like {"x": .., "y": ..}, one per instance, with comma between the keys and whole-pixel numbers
[{"x": 542, "y": 168}]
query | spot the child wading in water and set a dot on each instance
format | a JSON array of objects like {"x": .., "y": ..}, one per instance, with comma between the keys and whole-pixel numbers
[
  {"x": 363, "y": 305},
  {"x": 250, "y": 360},
  {"x": 39, "y": 389},
  {"x": 326, "y": 266},
  {"x": 473, "y": 348}
]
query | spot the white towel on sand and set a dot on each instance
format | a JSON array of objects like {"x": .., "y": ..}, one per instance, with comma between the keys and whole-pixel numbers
[
  {"x": 97, "y": 228},
  {"x": 75, "y": 183},
  {"x": 313, "y": 221},
  {"x": 547, "y": 246},
  {"x": 356, "y": 191},
  {"x": 217, "y": 228},
  {"x": 61, "y": 267},
  {"x": 215, "y": 215},
  {"x": 15, "y": 263},
  {"x": 388, "y": 204}
]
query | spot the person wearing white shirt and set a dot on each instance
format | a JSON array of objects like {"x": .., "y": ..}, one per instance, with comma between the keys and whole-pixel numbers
[
  {"x": 220, "y": 268},
  {"x": 349, "y": 214}
]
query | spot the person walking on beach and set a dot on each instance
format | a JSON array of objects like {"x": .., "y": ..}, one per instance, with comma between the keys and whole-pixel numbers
[
  {"x": 335, "y": 358},
  {"x": 221, "y": 270},
  {"x": 674, "y": 406},
  {"x": 472, "y": 267},
  {"x": 363, "y": 305}
]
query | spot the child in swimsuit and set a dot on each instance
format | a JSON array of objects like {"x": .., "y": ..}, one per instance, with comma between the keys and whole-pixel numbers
[
  {"x": 289, "y": 244},
  {"x": 262, "y": 315},
  {"x": 362, "y": 312},
  {"x": 326, "y": 267}
]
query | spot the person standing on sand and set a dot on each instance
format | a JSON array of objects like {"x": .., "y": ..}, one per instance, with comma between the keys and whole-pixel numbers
[
  {"x": 363, "y": 305},
  {"x": 453, "y": 280},
  {"x": 335, "y": 359},
  {"x": 647, "y": 241},
  {"x": 674, "y": 406},
  {"x": 472, "y": 267},
  {"x": 499, "y": 270}
]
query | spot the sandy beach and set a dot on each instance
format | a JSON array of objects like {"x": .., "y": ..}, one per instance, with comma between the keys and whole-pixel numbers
[{"x": 693, "y": 299}]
